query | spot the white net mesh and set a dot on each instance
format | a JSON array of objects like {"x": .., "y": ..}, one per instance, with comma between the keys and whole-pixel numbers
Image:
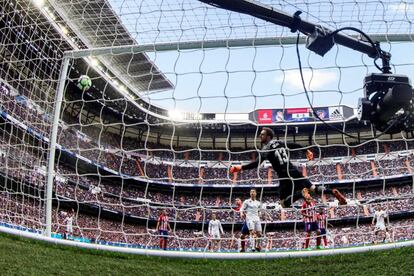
[{"x": 160, "y": 127}]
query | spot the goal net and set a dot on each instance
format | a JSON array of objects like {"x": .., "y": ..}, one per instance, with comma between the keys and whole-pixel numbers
[{"x": 120, "y": 121}]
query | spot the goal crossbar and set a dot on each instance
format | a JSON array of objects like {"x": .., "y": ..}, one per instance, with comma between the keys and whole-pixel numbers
[{"x": 214, "y": 44}]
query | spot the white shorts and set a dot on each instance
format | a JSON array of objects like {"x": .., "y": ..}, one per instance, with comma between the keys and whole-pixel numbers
[
  {"x": 254, "y": 225},
  {"x": 215, "y": 236},
  {"x": 69, "y": 228},
  {"x": 380, "y": 227}
]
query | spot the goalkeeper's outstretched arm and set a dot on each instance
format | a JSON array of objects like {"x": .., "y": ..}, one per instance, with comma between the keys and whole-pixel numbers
[{"x": 251, "y": 165}]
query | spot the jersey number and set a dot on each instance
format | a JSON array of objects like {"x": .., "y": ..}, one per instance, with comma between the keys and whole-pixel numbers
[{"x": 281, "y": 154}]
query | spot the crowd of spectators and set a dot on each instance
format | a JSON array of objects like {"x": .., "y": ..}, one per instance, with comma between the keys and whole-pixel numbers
[
  {"x": 98, "y": 191},
  {"x": 185, "y": 206},
  {"x": 20, "y": 108},
  {"x": 21, "y": 161},
  {"x": 27, "y": 164},
  {"x": 27, "y": 211},
  {"x": 125, "y": 161}
]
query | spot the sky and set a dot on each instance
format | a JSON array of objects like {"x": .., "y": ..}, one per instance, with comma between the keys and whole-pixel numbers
[{"x": 240, "y": 80}]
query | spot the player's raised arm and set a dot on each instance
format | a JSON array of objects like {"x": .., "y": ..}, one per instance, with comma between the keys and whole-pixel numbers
[
  {"x": 265, "y": 136},
  {"x": 249, "y": 166},
  {"x": 291, "y": 145}
]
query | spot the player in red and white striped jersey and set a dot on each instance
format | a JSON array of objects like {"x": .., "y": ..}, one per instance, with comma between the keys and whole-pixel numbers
[
  {"x": 163, "y": 226},
  {"x": 309, "y": 210},
  {"x": 309, "y": 213},
  {"x": 322, "y": 219}
]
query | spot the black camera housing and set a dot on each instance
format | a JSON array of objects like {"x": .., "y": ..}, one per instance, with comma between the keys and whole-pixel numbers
[
  {"x": 387, "y": 103},
  {"x": 381, "y": 82}
]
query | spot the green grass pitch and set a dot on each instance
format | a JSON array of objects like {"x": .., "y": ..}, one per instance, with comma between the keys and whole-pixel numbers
[{"x": 26, "y": 257}]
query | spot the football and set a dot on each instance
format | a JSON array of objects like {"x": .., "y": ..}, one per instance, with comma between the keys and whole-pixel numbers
[{"x": 84, "y": 82}]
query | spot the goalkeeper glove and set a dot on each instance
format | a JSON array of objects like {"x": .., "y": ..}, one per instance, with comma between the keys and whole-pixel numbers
[
  {"x": 309, "y": 155},
  {"x": 235, "y": 169}
]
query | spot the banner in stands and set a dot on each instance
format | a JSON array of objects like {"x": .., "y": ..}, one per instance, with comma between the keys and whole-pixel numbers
[
  {"x": 279, "y": 115},
  {"x": 335, "y": 113},
  {"x": 305, "y": 114},
  {"x": 323, "y": 113},
  {"x": 265, "y": 116}
]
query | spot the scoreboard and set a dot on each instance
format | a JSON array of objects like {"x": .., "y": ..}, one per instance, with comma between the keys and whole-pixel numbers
[{"x": 298, "y": 115}]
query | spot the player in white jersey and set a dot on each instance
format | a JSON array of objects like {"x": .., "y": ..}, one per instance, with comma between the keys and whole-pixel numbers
[
  {"x": 69, "y": 223},
  {"x": 251, "y": 211},
  {"x": 214, "y": 230},
  {"x": 379, "y": 221},
  {"x": 344, "y": 240}
]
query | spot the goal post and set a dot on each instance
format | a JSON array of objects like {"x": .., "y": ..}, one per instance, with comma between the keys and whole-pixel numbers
[{"x": 52, "y": 146}]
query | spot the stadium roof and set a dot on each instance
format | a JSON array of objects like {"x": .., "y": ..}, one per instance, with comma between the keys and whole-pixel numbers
[{"x": 97, "y": 25}]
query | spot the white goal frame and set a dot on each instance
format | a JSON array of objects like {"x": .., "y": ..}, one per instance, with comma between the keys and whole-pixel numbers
[{"x": 132, "y": 49}]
